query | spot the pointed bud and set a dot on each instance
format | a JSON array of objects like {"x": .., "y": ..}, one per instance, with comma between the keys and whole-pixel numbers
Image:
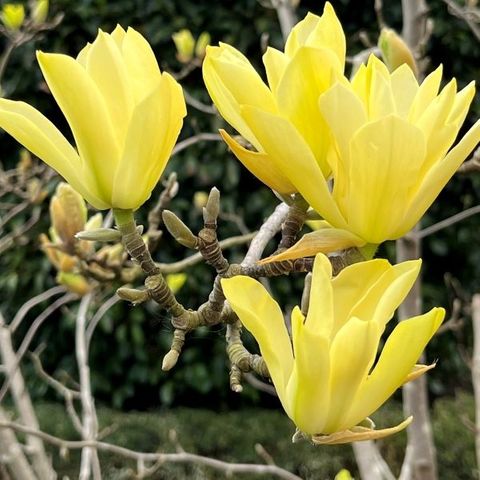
[
  {"x": 185, "y": 44},
  {"x": 170, "y": 360},
  {"x": 94, "y": 222},
  {"x": 36, "y": 194},
  {"x": 12, "y": 16},
  {"x": 395, "y": 51},
  {"x": 100, "y": 235},
  {"x": 39, "y": 11},
  {"x": 133, "y": 295},
  {"x": 202, "y": 43},
  {"x": 212, "y": 209},
  {"x": 178, "y": 230}
]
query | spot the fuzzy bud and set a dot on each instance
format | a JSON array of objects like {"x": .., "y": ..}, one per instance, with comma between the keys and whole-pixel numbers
[
  {"x": 178, "y": 230},
  {"x": 395, "y": 51}
]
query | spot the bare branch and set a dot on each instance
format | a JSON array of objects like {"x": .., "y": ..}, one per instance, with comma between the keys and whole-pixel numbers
[
  {"x": 181, "y": 265},
  {"x": 200, "y": 137},
  {"x": 227, "y": 468},
  {"x": 200, "y": 106},
  {"x": 37, "y": 323},
  {"x": 436, "y": 227},
  {"x": 102, "y": 310},
  {"x": 28, "y": 305},
  {"x": 469, "y": 14}
]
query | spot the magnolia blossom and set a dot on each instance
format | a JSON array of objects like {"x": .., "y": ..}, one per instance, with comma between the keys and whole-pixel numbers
[
  {"x": 125, "y": 116},
  {"x": 314, "y": 58},
  {"x": 327, "y": 376}
]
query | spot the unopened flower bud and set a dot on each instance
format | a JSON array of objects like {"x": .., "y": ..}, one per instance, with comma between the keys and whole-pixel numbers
[
  {"x": 212, "y": 208},
  {"x": 133, "y": 295},
  {"x": 395, "y": 51},
  {"x": 200, "y": 199},
  {"x": 175, "y": 281},
  {"x": 13, "y": 15},
  {"x": 75, "y": 282},
  {"x": 185, "y": 44},
  {"x": 39, "y": 11},
  {"x": 202, "y": 43},
  {"x": 178, "y": 230},
  {"x": 100, "y": 235},
  {"x": 68, "y": 213}
]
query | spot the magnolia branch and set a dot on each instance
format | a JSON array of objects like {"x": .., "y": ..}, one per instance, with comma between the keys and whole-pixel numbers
[{"x": 183, "y": 457}]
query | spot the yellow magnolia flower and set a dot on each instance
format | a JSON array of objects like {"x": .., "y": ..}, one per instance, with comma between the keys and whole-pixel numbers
[
  {"x": 327, "y": 376},
  {"x": 125, "y": 116},
  {"x": 392, "y": 154},
  {"x": 287, "y": 108},
  {"x": 13, "y": 15}
]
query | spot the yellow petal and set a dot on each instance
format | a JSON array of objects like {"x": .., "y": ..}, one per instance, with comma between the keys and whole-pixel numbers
[
  {"x": 80, "y": 101},
  {"x": 300, "y": 33},
  {"x": 320, "y": 311},
  {"x": 352, "y": 285},
  {"x": 404, "y": 87},
  {"x": 231, "y": 82},
  {"x": 262, "y": 316},
  {"x": 281, "y": 141},
  {"x": 275, "y": 63},
  {"x": 462, "y": 102},
  {"x": 157, "y": 122},
  {"x": 359, "y": 434},
  {"x": 381, "y": 102},
  {"x": 328, "y": 33},
  {"x": 437, "y": 178},
  {"x": 118, "y": 35},
  {"x": 325, "y": 240},
  {"x": 260, "y": 165},
  {"x": 106, "y": 67},
  {"x": 307, "y": 76},
  {"x": 426, "y": 93},
  {"x": 355, "y": 344},
  {"x": 36, "y": 133},
  {"x": 385, "y": 151},
  {"x": 402, "y": 349},
  {"x": 141, "y": 64},
  {"x": 307, "y": 389},
  {"x": 418, "y": 371},
  {"x": 386, "y": 293}
]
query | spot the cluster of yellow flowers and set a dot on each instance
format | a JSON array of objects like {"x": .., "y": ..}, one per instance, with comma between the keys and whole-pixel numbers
[{"x": 369, "y": 154}]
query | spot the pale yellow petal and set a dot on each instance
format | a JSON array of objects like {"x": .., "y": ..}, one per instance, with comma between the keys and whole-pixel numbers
[
  {"x": 381, "y": 102},
  {"x": 262, "y": 316},
  {"x": 157, "y": 122},
  {"x": 462, "y": 102},
  {"x": 281, "y": 141},
  {"x": 275, "y": 63},
  {"x": 118, "y": 35},
  {"x": 309, "y": 74},
  {"x": 141, "y": 64},
  {"x": 390, "y": 291},
  {"x": 307, "y": 389},
  {"x": 106, "y": 67},
  {"x": 83, "y": 54},
  {"x": 437, "y": 178},
  {"x": 399, "y": 355},
  {"x": 328, "y": 33},
  {"x": 36, "y": 133},
  {"x": 320, "y": 315},
  {"x": 80, "y": 101},
  {"x": 324, "y": 240},
  {"x": 385, "y": 151},
  {"x": 232, "y": 82},
  {"x": 359, "y": 434},
  {"x": 260, "y": 165},
  {"x": 404, "y": 87},
  {"x": 352, "y": 285},
  {"x": 300, "y": 33},
  {"x": 352, "y": 353},
  {"x": 426, "y": 93}
]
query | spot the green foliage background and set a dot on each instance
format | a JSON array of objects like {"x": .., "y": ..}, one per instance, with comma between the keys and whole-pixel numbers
[{"x": 130, "y": 342}]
